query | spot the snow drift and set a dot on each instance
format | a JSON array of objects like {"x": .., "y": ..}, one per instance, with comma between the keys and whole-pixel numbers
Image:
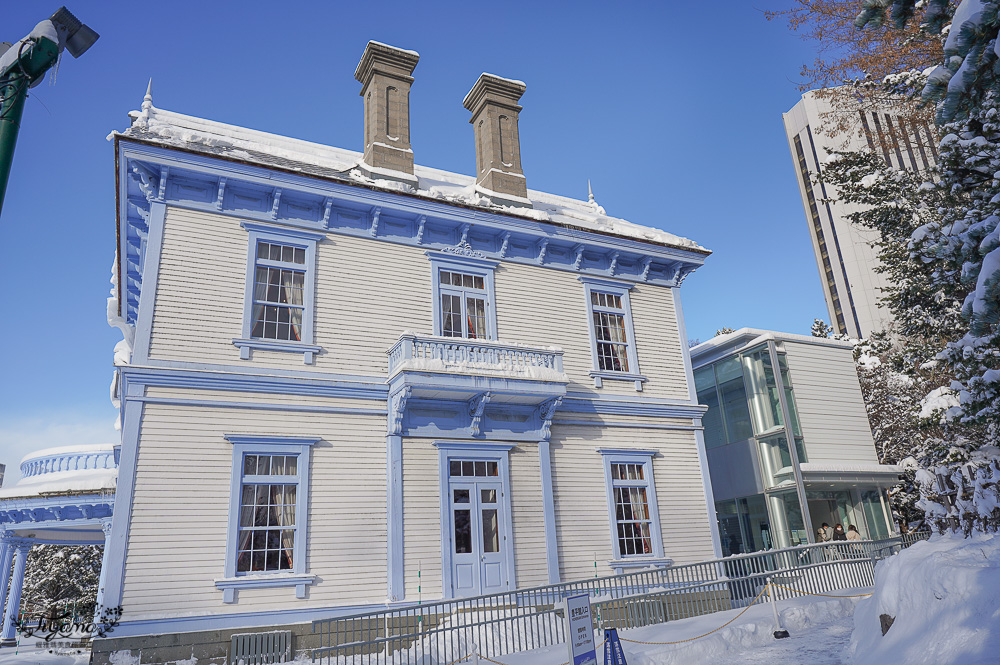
[{"x": 944, "y": 596}]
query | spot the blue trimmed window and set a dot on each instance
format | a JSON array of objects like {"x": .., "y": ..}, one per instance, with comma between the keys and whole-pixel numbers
[
  {"x": 632, "y": 508},
  {"x": 463, "y": 296},
  {"x": 612, "y": 336},
  {"x": 268, "y": 510},
  {"x": 280, "y": 293}
]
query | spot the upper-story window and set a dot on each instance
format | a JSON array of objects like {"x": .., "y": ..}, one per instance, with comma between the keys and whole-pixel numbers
[
  {"x": 463, "y": 296},
  {"x": 278, "y": 291},
  {"x": 464, "y": 300},
  {"x": 609, "y": 328},
  {"x": 279, "y": 307},
  {"x": 612, "y": 335}
]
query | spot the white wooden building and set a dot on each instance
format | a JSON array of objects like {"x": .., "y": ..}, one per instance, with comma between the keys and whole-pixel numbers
[{"x": 348, "y": 381}]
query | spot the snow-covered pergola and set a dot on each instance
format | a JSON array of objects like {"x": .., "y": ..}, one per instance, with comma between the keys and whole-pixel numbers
[{"x": 65, "y": 496}]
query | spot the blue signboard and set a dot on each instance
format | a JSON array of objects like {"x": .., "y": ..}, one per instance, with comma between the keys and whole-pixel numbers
[
  {"x": 580, "y": 631},
  {"x": 613, "y": 654}
]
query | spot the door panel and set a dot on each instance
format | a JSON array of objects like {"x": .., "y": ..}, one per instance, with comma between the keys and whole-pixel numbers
[{"x": 478, "y": 542}]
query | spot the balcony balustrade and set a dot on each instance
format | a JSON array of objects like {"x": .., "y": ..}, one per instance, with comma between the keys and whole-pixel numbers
[
  {"x": 475, "y": 357},
  {"x": 72, "y": 458}
]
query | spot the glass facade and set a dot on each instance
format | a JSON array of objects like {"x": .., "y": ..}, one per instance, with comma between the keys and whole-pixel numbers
[
  {"x": 743, "y": 396},
  {"x": 743, "y": 393},
  {"x": 789, "y": 527},
  {"x": 744, "y": 525},
  {"x": 721, "y": 387}
]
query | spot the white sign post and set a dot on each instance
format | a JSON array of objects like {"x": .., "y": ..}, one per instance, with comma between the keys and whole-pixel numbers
[{"x": 580, "y": 631}]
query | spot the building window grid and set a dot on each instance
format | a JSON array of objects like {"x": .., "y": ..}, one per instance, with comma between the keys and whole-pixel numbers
[
  {"x": 278, "y": 292},
  {"x": 633, "y": 523},
  {"x": 266, "y": 531},
  {"x": 836, "y": 240},
  {"x": 610, "y": 331},
  {"x": 464, "y": 302},
  {"x": 820, "y": 238}
]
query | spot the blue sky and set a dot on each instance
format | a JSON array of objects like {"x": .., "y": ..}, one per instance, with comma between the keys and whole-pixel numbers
[{"x": 672, "y": 110}]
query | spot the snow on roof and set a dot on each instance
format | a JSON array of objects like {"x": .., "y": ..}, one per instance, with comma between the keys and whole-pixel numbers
[
  {"x": 753, "y": 333},
  {"x": 395, "y": 48},
  {"x": 239, "y": 143},
  {"x": 78, "y": 481},
  {"x": 70, "y": 450},
  {"x": 827, "y": 467}
]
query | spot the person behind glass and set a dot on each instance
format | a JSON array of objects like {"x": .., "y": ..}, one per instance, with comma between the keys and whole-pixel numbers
[
  {"x": 824, "y": 533},
  {"x": 838, "y": 532},
  {"x": 852, "y": 532}
]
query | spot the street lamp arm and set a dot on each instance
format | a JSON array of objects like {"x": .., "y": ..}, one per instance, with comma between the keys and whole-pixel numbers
[{"x": 24, "y": 65}]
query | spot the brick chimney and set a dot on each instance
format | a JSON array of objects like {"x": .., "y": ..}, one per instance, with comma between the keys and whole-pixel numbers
[
  {"x": 384, "y": 73},
  {"x": 493, "y": 102}
]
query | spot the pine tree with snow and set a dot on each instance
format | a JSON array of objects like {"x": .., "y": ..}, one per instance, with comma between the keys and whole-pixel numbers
[
  {"x": 61, "y": 580},
  {"x": 821, "y": 328}
]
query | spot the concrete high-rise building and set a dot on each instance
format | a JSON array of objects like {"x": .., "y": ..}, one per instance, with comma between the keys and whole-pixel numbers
[{"x": 845, "y": 254}]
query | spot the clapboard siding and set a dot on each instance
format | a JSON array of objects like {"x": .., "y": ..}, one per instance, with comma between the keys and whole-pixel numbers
[
  {"x": 831, "y": 409},
  {"x": 170, "y": 393},
  {"x": 527, "y": 517},
  {"x": 547, "y": 307},
  {"x": 421, "y": 519},
  {"x": 177, "y": 539},
  {"x": 582, "y": 521},
  {"x": 368, "y": 292}
]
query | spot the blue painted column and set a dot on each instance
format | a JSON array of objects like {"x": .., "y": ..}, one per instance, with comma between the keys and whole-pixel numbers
[
  {"x": 394, "y": 518},
  {"x": 8, "y": 637},
  {"x": 6, "y": 558},
  {"x": 102, "y": 580},
  {"x": 548, "y": 512}
]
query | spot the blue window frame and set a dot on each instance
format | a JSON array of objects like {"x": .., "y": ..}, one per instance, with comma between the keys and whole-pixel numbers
[
  {"x": 612, "y": 336},
  {"x": 279, "y": 304},
  {"x": 268, "y": 512},
  {"x": 463, "y": 296},
  {"x": 632, "y": 508}
]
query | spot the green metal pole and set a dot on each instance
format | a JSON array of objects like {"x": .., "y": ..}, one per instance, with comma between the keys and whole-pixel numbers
[{"x": 34, "y": 60}]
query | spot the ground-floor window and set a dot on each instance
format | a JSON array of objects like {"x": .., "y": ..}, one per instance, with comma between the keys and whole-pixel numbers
[
  {"x": 270, "y": 487},
  {"x": 632, "y": 508},
  {"x": 862, "y": 508}
]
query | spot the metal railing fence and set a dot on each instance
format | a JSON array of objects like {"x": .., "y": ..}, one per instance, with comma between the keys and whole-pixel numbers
[{"x": 524, "y": 619}]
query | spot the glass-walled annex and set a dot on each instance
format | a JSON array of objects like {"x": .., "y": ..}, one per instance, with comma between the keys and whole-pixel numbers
[{"x": 755, "y": 446}]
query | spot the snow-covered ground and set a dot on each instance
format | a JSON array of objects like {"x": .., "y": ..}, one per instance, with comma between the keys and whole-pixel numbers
[
  {"x": 819, "y": 628},
  {"x": 35, "y": 651},
  {"x": 944, "y": 595}
]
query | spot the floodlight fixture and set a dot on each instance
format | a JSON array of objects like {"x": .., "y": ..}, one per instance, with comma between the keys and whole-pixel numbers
[{"x": 78, "y": 36}]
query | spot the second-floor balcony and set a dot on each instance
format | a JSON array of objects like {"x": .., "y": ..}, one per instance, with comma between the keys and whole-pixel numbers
[
  {"x": 479, "y": 388},
  {"x": 475, "y": 357}
]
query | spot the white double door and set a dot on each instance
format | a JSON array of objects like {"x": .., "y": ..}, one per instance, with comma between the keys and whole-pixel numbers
[{"x": 478, "y": 541}]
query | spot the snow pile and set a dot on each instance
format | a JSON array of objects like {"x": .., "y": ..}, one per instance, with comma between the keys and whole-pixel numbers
[
  {"x": 943, "y": 595},
  {"x": 243, "y": 144},
  {"x": 753, "y": 631}
]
